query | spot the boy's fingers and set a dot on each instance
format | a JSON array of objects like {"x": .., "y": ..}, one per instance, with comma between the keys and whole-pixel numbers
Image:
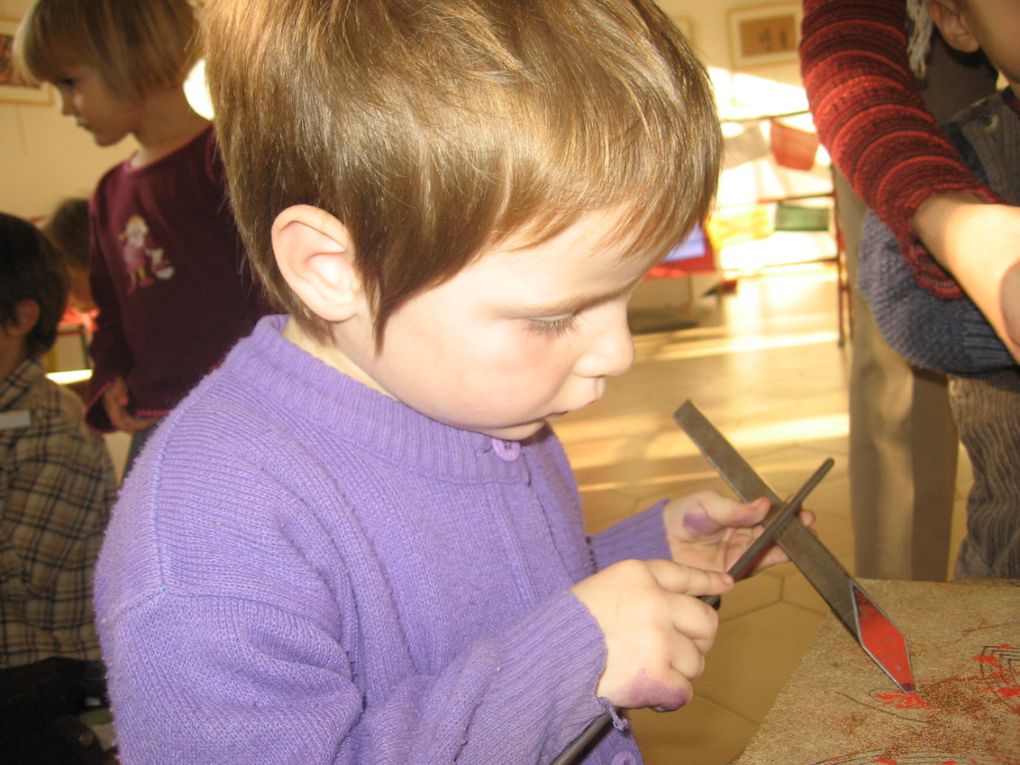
[
  {"x": 685, "y": 580},
  {"x": 697, "y": 632},
  {"x": 748, "y": 513},
  {"x": 688, "y": 658}
]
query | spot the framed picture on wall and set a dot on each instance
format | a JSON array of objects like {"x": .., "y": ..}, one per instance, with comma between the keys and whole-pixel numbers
[
  {"x": 764, "y": 34},
  {"x": 14, "y": 89}
]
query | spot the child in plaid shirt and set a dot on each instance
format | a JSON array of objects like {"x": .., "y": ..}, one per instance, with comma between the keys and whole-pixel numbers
[{"x": 57, "y": 485}]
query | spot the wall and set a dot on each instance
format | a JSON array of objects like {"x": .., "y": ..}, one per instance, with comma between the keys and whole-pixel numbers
[
  {"x": 44, "y": 156},
  {"x": 770, "y": 88}
]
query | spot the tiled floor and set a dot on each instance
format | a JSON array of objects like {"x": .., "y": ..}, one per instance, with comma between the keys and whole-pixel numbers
[{"x": 764, "y": 366}]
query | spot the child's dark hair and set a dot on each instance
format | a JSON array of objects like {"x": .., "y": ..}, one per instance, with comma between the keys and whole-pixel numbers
[
  {"x": 31, "y": 268},
  {"x": 435, "y": 130},
  {"x": 68, "y": 228}
]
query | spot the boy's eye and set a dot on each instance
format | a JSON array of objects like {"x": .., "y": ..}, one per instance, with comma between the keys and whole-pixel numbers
[{"x": 556, "y": 325}]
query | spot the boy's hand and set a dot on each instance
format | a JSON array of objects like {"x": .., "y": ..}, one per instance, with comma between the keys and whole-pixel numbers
[
  {"x": 116, "y": 399},
  {"x": 656, "y": 633},
  {"x": 710, "y": 531}
]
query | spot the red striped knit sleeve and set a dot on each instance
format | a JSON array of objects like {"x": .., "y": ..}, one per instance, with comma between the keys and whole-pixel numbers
[{"x": 871, "y": 118}]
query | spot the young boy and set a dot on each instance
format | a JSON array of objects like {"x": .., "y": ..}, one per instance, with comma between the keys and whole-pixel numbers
[
  {"x": 57, "y": 486},
  {"x": 358, "y": 540},
  {"x": 953, "y": 336}
]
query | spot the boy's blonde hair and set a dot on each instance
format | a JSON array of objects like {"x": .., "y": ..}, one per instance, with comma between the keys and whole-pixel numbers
[
  {"x": 137, "y": 46},
  {"x": 434, "y": 130}
]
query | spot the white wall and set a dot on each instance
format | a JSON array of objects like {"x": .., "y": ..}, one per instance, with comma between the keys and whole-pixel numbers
[
  {"x": 44, "y": 157},
  {"x": 763, "y": 89}
]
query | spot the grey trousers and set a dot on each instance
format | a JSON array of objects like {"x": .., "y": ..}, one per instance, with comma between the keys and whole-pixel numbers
[
  {"x": 987, "y": 411},
  {"x": 903, "y": 445}
]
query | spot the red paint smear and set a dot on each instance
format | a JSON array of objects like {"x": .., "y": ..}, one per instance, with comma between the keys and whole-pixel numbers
[
  {"x": 884, "y": 761},
  {"x": 983, "y": 659},
  {"x": 902, "y": 700},
  {"x": 949, "y": 762},
  {"x": 883, "y": 641},
  {"x": 1009, "y": 692}
]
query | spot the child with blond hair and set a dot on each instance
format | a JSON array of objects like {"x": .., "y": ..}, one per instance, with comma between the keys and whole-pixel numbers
[
  {"x": 359, "y": 540},
  {"x": 167, "y": 264}
]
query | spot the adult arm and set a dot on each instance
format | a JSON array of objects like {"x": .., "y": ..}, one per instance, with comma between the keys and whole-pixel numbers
[
  {"x": 871, "y": 118},
  {"x": 980, "y": 244}
]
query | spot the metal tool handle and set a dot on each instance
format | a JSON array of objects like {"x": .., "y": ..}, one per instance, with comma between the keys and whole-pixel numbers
[
  {"x": 845, "y": 596},
  {"x": 775, "y": 524}
]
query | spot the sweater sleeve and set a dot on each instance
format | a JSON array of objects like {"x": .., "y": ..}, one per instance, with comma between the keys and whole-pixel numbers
[
  {"x": 871, "y": 118},
  {"x": 641, "y": 536},
  {"x": 240, "y": 681}
]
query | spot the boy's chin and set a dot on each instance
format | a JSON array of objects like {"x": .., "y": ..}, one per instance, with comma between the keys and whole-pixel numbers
[
  {"x": 516, "y": 432},
  {"x": 104, "y": 140}
]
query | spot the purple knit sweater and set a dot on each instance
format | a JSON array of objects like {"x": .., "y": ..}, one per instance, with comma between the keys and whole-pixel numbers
[{"x": 302, "y": 570}]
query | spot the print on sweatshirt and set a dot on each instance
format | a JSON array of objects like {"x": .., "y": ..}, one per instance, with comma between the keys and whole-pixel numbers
[{"x": 138, "y": 252}]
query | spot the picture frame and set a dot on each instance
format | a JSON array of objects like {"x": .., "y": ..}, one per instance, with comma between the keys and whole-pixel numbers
[
  {"x": 764, "y": 34},
  {"x": 14, "y": 89}
]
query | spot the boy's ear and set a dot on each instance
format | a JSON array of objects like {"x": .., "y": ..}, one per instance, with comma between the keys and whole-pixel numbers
[
  {"x": 26, "y": 315},
  {"x": 316, "y": 257},
  {"x": 949, "y": 17}
]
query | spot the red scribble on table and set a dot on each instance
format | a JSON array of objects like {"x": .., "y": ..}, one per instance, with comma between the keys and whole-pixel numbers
[
  {"x": 901, "y": 700},
  {"x": 998, "y": 665}
]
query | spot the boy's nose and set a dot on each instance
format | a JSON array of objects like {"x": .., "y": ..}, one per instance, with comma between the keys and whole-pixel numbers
[{"x": 610, "y": 349}]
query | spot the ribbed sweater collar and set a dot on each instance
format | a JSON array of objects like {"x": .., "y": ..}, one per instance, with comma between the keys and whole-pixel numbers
[{"x": 326, "y": 401}]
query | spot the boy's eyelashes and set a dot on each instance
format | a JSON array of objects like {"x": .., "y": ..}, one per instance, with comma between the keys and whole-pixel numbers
[{"x": 554, "y": 325}]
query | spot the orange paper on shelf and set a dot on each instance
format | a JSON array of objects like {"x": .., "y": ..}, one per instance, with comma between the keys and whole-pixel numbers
[{"x": 792, "y": 148}]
